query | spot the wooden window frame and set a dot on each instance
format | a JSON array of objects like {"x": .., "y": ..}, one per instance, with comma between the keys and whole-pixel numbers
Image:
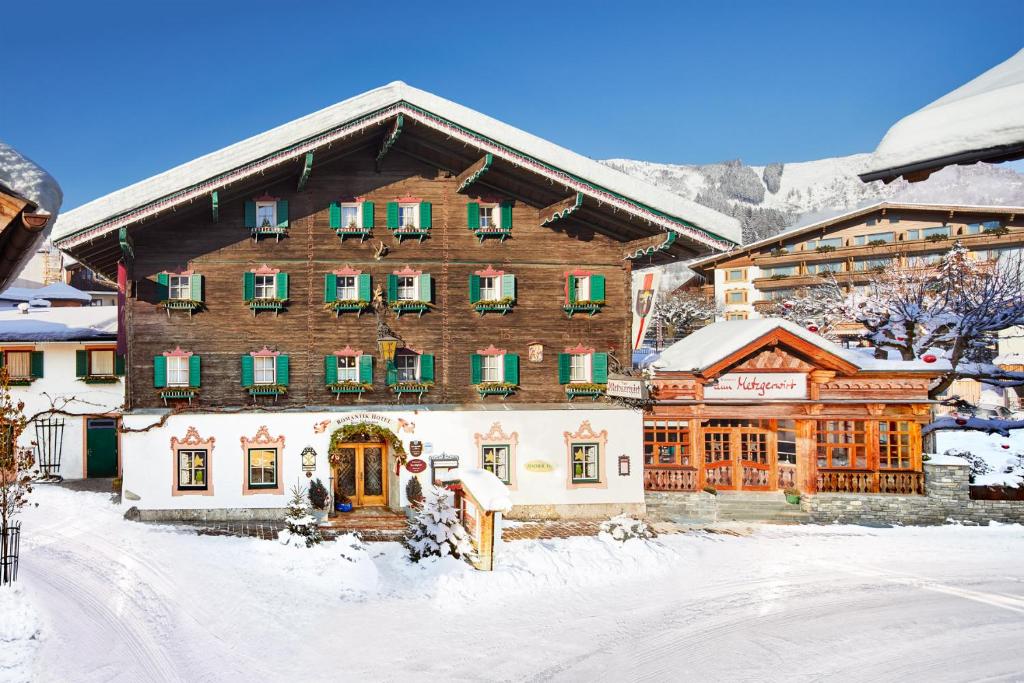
[
  {"x": 256, "y": 285},
  {"x": 264, "y": 204},
  {"x": 494, "y": 467},
  {"x": 7, "y": 363},
  {"x": 848, "y": 443},
  {"x": 176, "y": 359},
  {"x": 737, "y": 315},
  {"x": 191, "y": 442},
  {"x": 416, "y": 366},
  {"x": 415, "y": 208},
  {"x": 742, "y": 271},
  {"x": 90, "y": 365},
  {"x": 354, "y": 359},
  {"x": 586, "y": 436},
  {"x": 886, "y": 450},
  {"x": 255, "y": 371},
  {"x": 745, "y": 295},
  {"x": 357, "y": 207},
  {"x": 588, "y": 368},
  {"x": 656, "y": 435},
  {"x": 586, "y": 445},
  {"x": 186, "y": 287},
  {"x": 496, "y": 436}
]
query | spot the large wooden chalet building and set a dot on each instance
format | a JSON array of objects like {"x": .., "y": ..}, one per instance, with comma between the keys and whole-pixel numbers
[{"x": 385, "y": 288}]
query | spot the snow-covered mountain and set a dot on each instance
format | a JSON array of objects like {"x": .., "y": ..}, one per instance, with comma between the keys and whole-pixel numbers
[{"x": 768, "y": 199}]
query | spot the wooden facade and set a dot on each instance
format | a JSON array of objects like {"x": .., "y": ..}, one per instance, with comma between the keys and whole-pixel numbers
[{"x": 840, "y": 428}]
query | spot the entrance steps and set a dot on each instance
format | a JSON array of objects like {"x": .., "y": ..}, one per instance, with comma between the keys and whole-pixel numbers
[{"x": 371, "y": 523}]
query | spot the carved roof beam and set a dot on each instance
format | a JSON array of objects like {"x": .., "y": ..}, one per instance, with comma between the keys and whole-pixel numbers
[
  {"x": 389, "y": 140},
  {"x": 307, "y": 168}
]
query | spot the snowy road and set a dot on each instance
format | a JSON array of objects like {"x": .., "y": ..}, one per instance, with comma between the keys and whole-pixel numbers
[{"x": 127, "y": 602}]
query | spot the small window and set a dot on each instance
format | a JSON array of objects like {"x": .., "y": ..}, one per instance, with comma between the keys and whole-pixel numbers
[
  {"x": 406, "y": 288},
  {"x": 346, "y": 288},
  {"x": 825, "y": 268},
  {"x": 19, "y": 364},
  {"x": 972, "y": 229},
  {"x": 347, "y": 369},
  {"x": 192, "y": 470},
  {"x": 264, "y": 369},
  {"x": 265, "y": 287},
  {"x": 490, "y": 288},
  {"x": 785, "y": 434},
  {"x": 101, "y": 362},
  {"x": 178, "y": 287},
  {"x": 830, "y": 242},
  {"x": 780, "y": 271},
  {"x": 266, "y": 214},
  {"x": 487, "y": 217},
  {"x": 262, "y": 468},
  {"x": 407, "y": 367},
  {"x": 581, "y": 283},
  {"x": 350, "y": 216},
  {"x": 584, "y": 462},
  {"x": 495, "y": 459},
  {"x": 177, "y": 371},
  {"x": 736, "y": 275},
  {"x": 893, "y": 218},
  {"x": 579, "y": 368},
  {"x": 741, "y": 315},
  {"x": 738, "y": 296},
  {"x": 912, "y": 235},
  {"x": 875, "y": 238},
  {"x": 491, "y": 368},
  {"x": 991, "y": 225},
  {"x": 872, "y": 221},
  {"x": 407, "y": 216},
  {"x": 937, "y": 231}
]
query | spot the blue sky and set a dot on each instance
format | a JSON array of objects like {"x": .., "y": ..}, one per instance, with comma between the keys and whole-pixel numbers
[{"x": 104, "y": 94}]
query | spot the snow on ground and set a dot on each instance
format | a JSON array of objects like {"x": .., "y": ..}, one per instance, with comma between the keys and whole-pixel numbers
[
  {"x": 1006, "y": 464},
  {"x": 19, "y": 634},
  {"x": 122, "y": 601}
]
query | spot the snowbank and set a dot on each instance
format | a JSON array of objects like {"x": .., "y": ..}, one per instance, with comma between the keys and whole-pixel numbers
[
  {"x": 19, "y": 634},
  {"x": 488, "y": 490},
  {"x": 1006, "y": 465}
]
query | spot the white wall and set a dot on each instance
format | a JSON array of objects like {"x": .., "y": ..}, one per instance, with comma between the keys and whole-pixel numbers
[
  {"x": 753, "y": 294},
  {"x": 57, "y": 384},
  {"x": 147, "y": 459}
]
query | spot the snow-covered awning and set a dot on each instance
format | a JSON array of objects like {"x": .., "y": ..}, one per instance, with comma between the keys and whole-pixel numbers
[{"x": 982, "y": 120}]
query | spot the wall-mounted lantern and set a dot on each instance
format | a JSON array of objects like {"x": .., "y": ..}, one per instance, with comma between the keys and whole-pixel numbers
[
  {"x": 308, "y": 460},
  {"x": 387, "y": 342},
  {"x": 623, "y": 465}
]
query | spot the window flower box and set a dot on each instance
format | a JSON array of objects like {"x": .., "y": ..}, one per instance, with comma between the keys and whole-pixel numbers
[
  {"x": 779, "y": 276},
  {"x": 347, "y": 306},
  {"x": 503, "y": 389},
  {"x": 502, "y": 306},
  {"x": 274, "y": 305},
  {"x": 353, "y": 230},
  {"x": 825, "y": 249},
  {"x": 418, "y": 388},
  {"x": 998, "y": 232},
  {"x": 274, "y": 390},
  {"x": 419, "y": 307},
  {"x": 877, "y": 243},
  {"x": 592, "y": 390},
  {"x": 101, "y": 379},
  {"x": 179, "y": 393},
  {"x": 590, "y": 307},
  {"x": 275, "y": 231},
  {"x": 339, "y": 388},
  {"x": 189, "y": 305},
  {"x": 936, "y": 238},
  {"x": 779, "y": 252},
  {"x": 410, "y": 231},
  {"x": 493, "y": 231},
  {"x": 20, "y": 381}
]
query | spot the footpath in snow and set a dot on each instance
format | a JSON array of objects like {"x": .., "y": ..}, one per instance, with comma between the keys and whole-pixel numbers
[{"x": 103, "y": 599}]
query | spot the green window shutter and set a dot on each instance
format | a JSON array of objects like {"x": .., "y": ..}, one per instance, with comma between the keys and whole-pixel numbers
[
  {"x": 426, "y": 367},
  {"x": 392, "y": 288},
  {"x": 81, "y": 363},
  {"x": 159, "y": 371},
  {"x": 391, "y": 374},
  {"x": 474, "y": 288},
  {"x": 195, "y": 374},
  {"x": 195, "y": 284},
  {"x": 330, "y": 288},
  {"x": 475, "y": 368},
  {"x": 249, "y": 286},
  {"x": 36, "y": 364},
  {"x": 330, "y": 369},
  {"x": 392, "y": 215},
  {"x": 367, "y": 215},
  {"x": 250, "y": 213},
  {"x": 248, "y": 371},
  {"x": 282, "y": 213},
  {"x": 281, "y": 281},
  {"x": 597, "y": 287},
  {"x": 334, "y": 214},
  {"x": 570, "y": 289},
  {"x": 119, "y": 364},
  {"x": 425, "y": 215},
  {"x": 508, "y": 286},
  {"x": 506, "y": 215},
  {"x": 511, "y": 368},
  {"x": 363, "y": 286},
  {"x": 162, "y": 283},
  {"x": 3, "y": 359},
  {"x": 366, "y": 369},
  {"x": 281, "y": 368},
  {"x": 599, "y": 368},
  {"x": 564, "y": 361},
  {"x": 473, "y": 215},
  {"x": 426, "y": 293}
]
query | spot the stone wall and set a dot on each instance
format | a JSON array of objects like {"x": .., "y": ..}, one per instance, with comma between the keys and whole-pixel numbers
[
  {"x": 947, "y": 499},
  {"x": 682, "y": 506}
]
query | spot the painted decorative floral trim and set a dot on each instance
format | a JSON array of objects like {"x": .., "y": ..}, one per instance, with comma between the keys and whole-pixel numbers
[
  {"x": 181, "y": 304},
  {"x": 350, "y": 387},
  {"x": 268, "y": 389}
]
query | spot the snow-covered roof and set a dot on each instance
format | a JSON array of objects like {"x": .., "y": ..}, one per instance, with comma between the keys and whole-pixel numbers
[
  {"x": 27, "y": 179},
  {"x": 712, "y": 343},
  {"x": 802, "y": 229},
  {"x": 58, "y": 291},
  {"x": 488, "y": 490},
  {"x": 370, "y": 108},
  {"x": 982, "y": 119},
  {"x": 65, "y": 323}
]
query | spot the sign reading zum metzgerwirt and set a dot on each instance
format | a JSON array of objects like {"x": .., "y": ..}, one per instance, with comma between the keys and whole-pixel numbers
[{"x": 626, "y": 387}]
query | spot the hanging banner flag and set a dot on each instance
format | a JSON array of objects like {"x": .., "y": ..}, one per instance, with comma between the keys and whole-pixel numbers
[
  {"x": 645, "y": 293},
  {"x": 122, "y": 287}
]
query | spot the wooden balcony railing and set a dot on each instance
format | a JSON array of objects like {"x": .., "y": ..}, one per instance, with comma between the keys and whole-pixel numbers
[
  {"x": 670, "y": 479},
  {"x": 866, "y": 481},
  {"x": 906, "y": 483},
  {"x": 786, "y": 476}
]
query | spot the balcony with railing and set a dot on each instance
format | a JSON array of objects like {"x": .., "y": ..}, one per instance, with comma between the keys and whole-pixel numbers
[{"x": 899, "y": 482}]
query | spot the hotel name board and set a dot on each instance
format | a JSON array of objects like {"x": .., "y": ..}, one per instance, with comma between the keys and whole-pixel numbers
[{"x": 758, "y": 386}]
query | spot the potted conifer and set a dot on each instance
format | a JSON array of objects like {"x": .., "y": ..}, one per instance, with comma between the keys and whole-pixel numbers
[{"x": 318, "y": 500}]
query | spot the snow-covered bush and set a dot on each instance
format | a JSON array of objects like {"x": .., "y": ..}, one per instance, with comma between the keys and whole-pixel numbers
[
  {"x": 302, "y": 530},
  {"x": 435, "y": 530},
  {"x": 977, "y": 463},
  {"x": 623, "y": 528}
]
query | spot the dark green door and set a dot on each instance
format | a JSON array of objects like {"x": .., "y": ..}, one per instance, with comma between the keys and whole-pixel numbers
[{"x": 101, "y": 447}]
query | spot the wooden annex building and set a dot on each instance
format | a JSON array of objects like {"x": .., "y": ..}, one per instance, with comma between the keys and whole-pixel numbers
[{"x": 765, "y": 405}]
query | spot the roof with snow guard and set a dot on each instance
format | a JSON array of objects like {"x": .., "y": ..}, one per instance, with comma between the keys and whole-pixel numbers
[
  {"x": 384, "y": 110},
  {"x": 57, "y": 291},
  {"x": 848, "y": 215},
  {"x": 68, "y": 323},
  {"x": 710, "y": 345},
  {"x": 982, "y": 120},
  {"x": 29, "y": 201}
]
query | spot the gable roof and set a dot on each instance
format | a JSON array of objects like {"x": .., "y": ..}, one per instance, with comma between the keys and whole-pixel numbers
[
  {"x": 706, "y": 348},
  {"x": 293, "y": 140},
  {"x": 982, "y": 120}
]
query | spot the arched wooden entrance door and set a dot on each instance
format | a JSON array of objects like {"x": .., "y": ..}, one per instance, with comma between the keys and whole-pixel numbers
[
  {"x": 360, "y": 472},
  {"x": 740, "y": 455}
]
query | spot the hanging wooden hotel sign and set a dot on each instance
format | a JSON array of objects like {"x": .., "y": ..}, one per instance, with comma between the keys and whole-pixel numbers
[
  {"x": 415, "y": 465},
  {"x": 758, "y": 385},
  {"x": 415, "y": 448},
  {"x": 626, "y": 387}
]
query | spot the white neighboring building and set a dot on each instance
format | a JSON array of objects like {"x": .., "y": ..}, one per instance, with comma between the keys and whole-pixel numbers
[{"x": 65, "y": 358}]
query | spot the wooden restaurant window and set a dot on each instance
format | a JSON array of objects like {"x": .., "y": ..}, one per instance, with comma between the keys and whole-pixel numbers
[
  {"x": 894, "y": 445},
  {"x": 842, "y": 444},
  {"x": 667, "y": 443},
  {"x": 192, "y": 469}
]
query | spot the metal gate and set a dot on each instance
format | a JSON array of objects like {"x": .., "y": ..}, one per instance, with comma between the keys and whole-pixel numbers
[
  {"x": 49, "y": 446},
  {"x": 10, "y": 540}
]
